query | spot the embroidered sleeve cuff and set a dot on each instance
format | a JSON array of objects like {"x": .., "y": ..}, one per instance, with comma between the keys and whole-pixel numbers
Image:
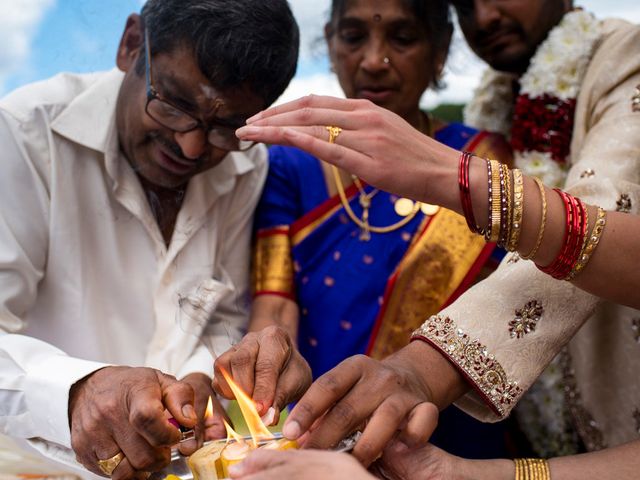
[{"x": 483, "y": 372}]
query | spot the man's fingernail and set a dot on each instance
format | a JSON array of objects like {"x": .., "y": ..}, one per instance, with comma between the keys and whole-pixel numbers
[
  {"x": 292, "y": 430},
  {"x": 269, "y": 417},
  {"x": 189, "y": 412}
]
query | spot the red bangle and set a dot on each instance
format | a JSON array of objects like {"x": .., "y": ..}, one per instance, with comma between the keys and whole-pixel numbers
[
  {"x": 464, "y": 184},
  {"x": 576, "y": 227}
]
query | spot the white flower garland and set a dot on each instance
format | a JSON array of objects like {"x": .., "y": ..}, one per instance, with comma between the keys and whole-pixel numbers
[{"x": 557, "y": 69}]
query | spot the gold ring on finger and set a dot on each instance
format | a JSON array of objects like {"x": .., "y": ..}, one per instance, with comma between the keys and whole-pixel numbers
[
  {"x": 110, "y": 464},
  {"x": 333, "y": 133}
]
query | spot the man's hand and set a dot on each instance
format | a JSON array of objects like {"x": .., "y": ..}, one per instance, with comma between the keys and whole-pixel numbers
[
  {"x": 211, "y": 428},
  {"x": 423, "y": 463},
  {"x": 124, "y": 409},
  {"x": 389, "y": 398},
  {"x": 308, "y": 464},
  {"x": 268, "y": 367}
]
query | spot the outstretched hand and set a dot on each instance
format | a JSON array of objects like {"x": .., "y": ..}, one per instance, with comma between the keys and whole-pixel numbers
[
  {"x": 389, "y": 398},
  {"x": 374, "y": 144}
]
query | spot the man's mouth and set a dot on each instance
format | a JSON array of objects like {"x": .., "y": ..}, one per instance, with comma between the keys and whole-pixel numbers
[
  {"x": 168, "y": 160},
  {"x": 497, "y": 39}
]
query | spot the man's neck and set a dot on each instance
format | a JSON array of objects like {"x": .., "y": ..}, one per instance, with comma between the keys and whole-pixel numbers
[{"x": 165, "y": 203}]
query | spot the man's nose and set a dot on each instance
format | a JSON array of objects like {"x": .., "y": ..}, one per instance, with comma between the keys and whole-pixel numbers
[
  {"x": 487, "y": 14},
  {"x": 192, "y": 143}
]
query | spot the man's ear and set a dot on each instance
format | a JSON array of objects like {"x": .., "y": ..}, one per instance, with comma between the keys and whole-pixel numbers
[{"x": 131, "y": 43}]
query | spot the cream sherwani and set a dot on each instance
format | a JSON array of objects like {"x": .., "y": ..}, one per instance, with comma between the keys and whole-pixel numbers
[
  {"x": 602, "y": 373},
  {"x": 85, "y": 276}
]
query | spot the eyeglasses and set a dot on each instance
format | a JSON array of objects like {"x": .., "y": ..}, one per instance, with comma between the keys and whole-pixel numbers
[{"x": 176, "y": 119}]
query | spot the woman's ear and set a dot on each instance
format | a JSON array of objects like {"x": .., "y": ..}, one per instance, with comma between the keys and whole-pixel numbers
[{"x": 131, "y": 43}]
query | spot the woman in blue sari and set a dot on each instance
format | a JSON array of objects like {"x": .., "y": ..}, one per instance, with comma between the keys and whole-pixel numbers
[{"x": 344, "y": 268}]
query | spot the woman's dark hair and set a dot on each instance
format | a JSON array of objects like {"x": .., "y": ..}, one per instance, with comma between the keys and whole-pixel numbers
[
  {"x": 235, "y": 42},
  {"x": 435, "y": 16}
]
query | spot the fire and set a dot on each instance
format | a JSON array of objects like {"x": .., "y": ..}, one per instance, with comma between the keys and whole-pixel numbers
[
  {"x": 257, "y": 429},
  {"x": 208, "y": 413},
  {"x": 212, "y": 461},
  {"x": 231, "y": 433}
]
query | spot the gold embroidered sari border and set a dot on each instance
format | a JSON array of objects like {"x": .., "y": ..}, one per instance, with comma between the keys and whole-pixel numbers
[
  {"x": 472, "y": 358},
  {"x": 272, "y": 269}
]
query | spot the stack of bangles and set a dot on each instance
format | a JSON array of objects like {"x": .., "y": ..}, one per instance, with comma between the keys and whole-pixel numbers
[
  {"x": 532, "y": 469},
  {"x": 505, "y": 213}
]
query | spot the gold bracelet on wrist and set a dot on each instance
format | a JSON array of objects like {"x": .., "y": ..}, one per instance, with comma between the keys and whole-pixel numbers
[
  {"x": 532, "y": 469},
  {"x": 518, "y": 209},
  {"x": 507, "y": 207},
  {"x": 494, "y": 230},
  {"x": 543, "y": 221},
  {"x": 592, "y": 242}
]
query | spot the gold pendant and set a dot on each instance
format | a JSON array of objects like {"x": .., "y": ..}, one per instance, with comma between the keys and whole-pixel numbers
[
  {"x": 403, "y": 206},
  {"x": 429, "y": 209}
]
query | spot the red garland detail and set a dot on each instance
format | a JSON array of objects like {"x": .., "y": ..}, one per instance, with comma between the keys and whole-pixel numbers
[{"x": 543, "y": 124}]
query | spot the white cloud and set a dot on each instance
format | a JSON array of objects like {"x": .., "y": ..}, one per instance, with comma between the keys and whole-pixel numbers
[{"x": 18, "y": 23}]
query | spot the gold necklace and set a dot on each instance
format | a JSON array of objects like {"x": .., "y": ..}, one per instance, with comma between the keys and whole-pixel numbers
[{"x": 365, "y": 202}]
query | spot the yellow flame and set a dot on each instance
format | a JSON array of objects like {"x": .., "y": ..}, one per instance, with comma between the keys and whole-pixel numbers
[
  {"x": 231, "y": 433},
  {"x": 208, "y": 413},
  {"x": 256, "y": 428}
]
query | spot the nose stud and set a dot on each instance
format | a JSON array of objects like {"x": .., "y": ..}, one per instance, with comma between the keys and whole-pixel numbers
[{"x": 386, "y": 60}]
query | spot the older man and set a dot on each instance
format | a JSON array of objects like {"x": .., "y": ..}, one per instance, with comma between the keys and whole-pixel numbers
[{"x": 125, "y": 215}]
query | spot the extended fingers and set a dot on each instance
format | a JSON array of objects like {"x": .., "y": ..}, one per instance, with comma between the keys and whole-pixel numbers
[
  {"x": 293, "y": 382},
  {"x": 315, "y": 141},
  {"x": 380, "y": 429},
  {"x": 310, "y": 101},
  {"x": 422, "y": 421},
  {"x": 273, "y": 356},
  {"x": 323, "y": 394}
]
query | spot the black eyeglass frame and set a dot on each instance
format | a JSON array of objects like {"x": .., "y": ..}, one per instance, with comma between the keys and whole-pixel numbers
[{"x": 154, "y": 95}]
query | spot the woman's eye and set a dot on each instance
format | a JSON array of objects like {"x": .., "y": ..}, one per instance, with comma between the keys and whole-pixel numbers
[
  {"x": 351, "y": 37},
  {"x": 404, "y": 38}
]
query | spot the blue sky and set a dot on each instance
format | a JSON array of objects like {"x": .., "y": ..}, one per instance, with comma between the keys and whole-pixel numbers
[{"x": 44, "y": 37}]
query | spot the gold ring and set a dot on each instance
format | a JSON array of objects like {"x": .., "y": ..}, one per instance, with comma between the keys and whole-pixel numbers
[
  {"x": 110, "y": 464},
  {"x": 333, "y": 133}
]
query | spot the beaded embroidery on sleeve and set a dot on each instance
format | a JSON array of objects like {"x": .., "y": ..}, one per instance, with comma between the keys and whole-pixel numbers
[{"x": 474, "y": 360}]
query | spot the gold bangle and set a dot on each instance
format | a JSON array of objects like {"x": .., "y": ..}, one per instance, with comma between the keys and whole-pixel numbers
[
  {"x": 543, "y": 221},
  {"x": 519, "y": 468},
  {"x": 532, "y": 469},
  {"x": 592, "y": 243},
  {"x": 494, "y": 231},
  {"x": 518, "y": 208},
  {"x": 507, "y": 207}
]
